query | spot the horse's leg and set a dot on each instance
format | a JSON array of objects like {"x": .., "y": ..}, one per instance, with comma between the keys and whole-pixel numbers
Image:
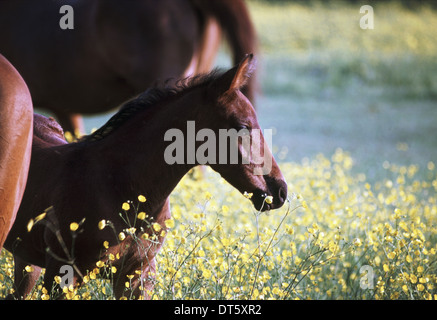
[
  {"x": 209, "y": 46},
  {"x": 16, "y": 115},
  {"x": 77, "y": 123},
  {"x": 204, "y": 55},
  {"x": 24, "y": 281}
]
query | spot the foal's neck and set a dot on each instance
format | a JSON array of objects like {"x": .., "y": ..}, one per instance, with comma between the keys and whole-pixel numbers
[{"x": 135, "y": 152}]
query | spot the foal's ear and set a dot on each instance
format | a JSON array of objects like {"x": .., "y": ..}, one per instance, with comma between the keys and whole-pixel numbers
[
  {"x": 243, "y": 72},
  {"x": 237, "y": 77}
]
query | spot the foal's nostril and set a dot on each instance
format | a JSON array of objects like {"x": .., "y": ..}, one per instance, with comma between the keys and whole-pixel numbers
[{"x": 282, "y": 195}]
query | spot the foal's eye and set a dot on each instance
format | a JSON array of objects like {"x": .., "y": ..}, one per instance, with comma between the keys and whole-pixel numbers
[{"x": 242, "y": 127}]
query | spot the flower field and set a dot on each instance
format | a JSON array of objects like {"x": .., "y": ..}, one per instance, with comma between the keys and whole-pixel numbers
[
  {"x": 339, "y": 237},
  {"x": 315, "y": 247}
]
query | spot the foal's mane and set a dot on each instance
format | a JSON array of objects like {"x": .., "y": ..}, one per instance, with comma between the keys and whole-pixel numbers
[{"x": 151, "y": 98}]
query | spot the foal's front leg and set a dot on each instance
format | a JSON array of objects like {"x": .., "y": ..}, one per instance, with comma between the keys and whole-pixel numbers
[
  {"x": 140, "y": 266},
  {"x": 137, "y": 283}
]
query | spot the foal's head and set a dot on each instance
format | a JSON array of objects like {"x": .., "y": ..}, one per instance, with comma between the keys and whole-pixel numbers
[{"x": 254, "y": 170}]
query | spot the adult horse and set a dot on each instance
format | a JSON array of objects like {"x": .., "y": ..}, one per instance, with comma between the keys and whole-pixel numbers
[
  {"x": 15, "y": 143},
  {"x": 116, "y": 49},
  {"x": 87, "y": 181}
]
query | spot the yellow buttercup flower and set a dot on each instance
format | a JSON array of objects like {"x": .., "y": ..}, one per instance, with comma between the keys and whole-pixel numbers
[
  {"x": 142, "y": 215},
  {"x": 357, "y": 242},
  {"x": 413, "y": 278},
  {"x": 141, "y": 198},
  {"x": 156, "y": 227},
  {"x": 125, "y": 206},
  {"x": 391, "y": 255},
  {"x": 40, "y": 217},
  {"x": 74, "y": 226},
  {"x": 169, "y": 223},
  {"x": 86, "y": 279},
  {"x": 206, "y": 273},
  {"x": 30, "y": 225},
  {"x": 29, "y": 268},
  {"x": 102, "y": 224},
  {"x": 248, "y": 195},
  {"x": 131, "y": 230}
]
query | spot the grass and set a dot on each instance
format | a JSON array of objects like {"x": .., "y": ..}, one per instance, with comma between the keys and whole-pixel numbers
[
  {"x": 336, "y": 85},
  {"x": 355, "y": 121}
]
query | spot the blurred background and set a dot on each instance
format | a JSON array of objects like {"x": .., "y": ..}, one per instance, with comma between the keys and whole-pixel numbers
[{"x": 325, "y": 83}]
